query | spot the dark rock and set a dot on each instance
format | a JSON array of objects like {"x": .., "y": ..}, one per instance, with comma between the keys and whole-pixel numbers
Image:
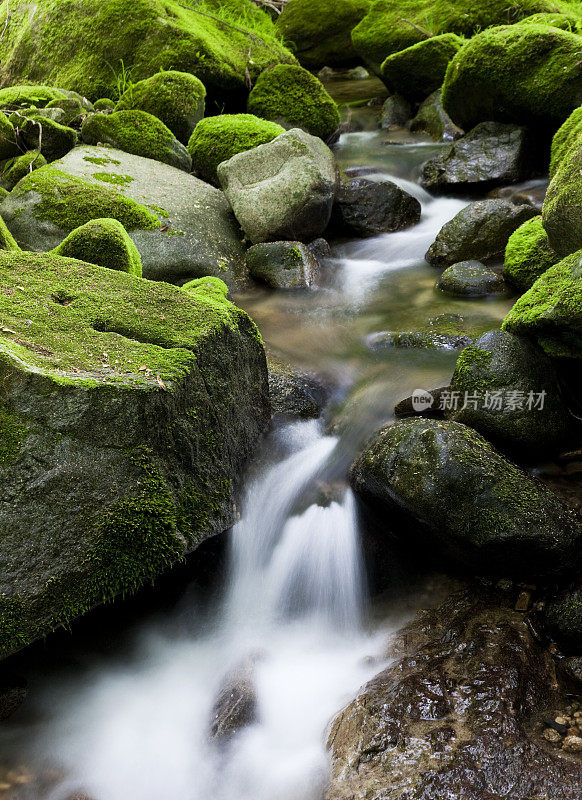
[
  {"x": 295, "y": 393},
  {"x": 421, "y": 403},
  {"x": 491, "y": 154},
  {"x": 573, "y": 668},
  {"x": 442, "y": 487},
  {"x": 368, "y": 208},
  {"x": 55, "y": 140},
  {"x": 532, "y": 192},
  {"x": 396, "y": 112},
  {"x": 282, "y": 265},
  {"x": 563, "y": 621},
  {"x": 320, "y": 249},
  {"x": 13, "y": 693},
  {"x": 434, "y": 120},
  {"x": 479, "y": 231},
  {"x": 506, "y": 375},
  {"x": 445, "y": 332},
  {"x": 236, "y": 705},
  {"x": 470, "y": 279},
  {"x": 457, "y": 714}
]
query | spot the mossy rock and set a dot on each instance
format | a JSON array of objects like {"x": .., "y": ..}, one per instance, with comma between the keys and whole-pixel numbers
[
  {"x": 104, "y": 104},
  {"x": 176, "y": 98},
  {"x": 182, "y": 227},
  {"x": 419, "y": 70},
  {"x": 562, "y": 209},
  {"x": 95, "y": 46},
  {"x": 209, "y": 284},
  {"x": 74, "y": 112},
  {"x": 440, "y": 486},
  {"x": 128, "y": 411},
  {"x": 7, "y": 240},
  {"x": 8, "y": 145},
  {"x": 470, "y": 279},
  {"x": 295, "y": 98},
  {"x": 570, "y": 133},
  {"x": 393, "y": 25},
  {"x": 320, "y": 38},
  {"x": 216, "y": 139},
  {"x": 104, "y": 242},
  {"x": 563, "y": 620},
  {"x": 527, "y": 74},
  {"x": 551, "y": 311},
  {"x": 53, "y": 139},
  {"x": 139, "y": 133},
  {"x": 29, "y": 96},
  {"x": 528, "y": 255}
]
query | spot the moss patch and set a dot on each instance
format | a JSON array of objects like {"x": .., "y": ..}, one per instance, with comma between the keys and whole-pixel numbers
[
  {"x": 104, "y": 242},
  {"x": 17, "y": 168},
  {"x": 528, "y": 255},
  {"x": 27, "y": 96},
  {"x": 420, "y": 70}
]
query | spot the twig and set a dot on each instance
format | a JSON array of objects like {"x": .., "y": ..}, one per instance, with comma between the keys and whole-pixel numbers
[
  {"x": 39, "y": 148},
  {"x": 426, "y": 33}
]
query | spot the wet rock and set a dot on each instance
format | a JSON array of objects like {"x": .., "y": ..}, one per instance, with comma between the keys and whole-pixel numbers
[
  {"x": 445, "y": 332},
  {"x": 395, "y": 113},
  {"x": 13, "y": 693},
  {"x": 367, "y": 208},
  {"x": 573, "y": 667},
  {"x": 442, "y": 487},
  {"x": 434, "y": 120},
  {"x": 421, "y": 403},
  {"x": 320, "y": 249},
  {"x": 532, "y": 192},
  {"x": 295, "y": 393},
  {"x": 282, "y": 265},
  {"x": 491, "y": 154},
  {"x": 283, "y": 189},
  {"x": 479, "y": 231},
  {"x": 470, "y": 279},
  {"x": 563, "y": 621},
  {"x": 509, "y": 392},
  {"x": 236, "y": 705},
  {"x": 455, "y": 715}
]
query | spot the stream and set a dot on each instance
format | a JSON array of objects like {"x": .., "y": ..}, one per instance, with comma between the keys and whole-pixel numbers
[{"x": 130, "y": 717}]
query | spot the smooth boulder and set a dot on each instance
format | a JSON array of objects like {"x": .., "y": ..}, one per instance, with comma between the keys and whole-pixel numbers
[
  {"x": 470, "y": 279},
  {"x": 562, "y": 210},
  {"x": 367, "y": 208},
  {"x": 282, "y": 265},
  {"x": 441, "y": 486},
  {"x": 283, "y": 189},
  {"x": 129, "y": 408}
]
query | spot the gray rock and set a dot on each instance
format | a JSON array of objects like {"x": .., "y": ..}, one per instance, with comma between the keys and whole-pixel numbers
[
  {"x": 237, "y": 703},
  {"x": 395, "y": 113},
  {"x": 283, "y": 189},
  {"x": 128, "y": 410},
  {"x": 479, "y": 231},
  {"x": 198, "y": 234},
  {"x": 470, "y": 279},
  {"x": 492, "y": 153},
  {"x": 434, "y": 120},
  {"x": 368, "y": 208},
  {"x": 320, "y": 249},
  {"x": 509, "y": 368},
  {"x": 282, "y": 265},
  {"x": 440, "y": 486},
  {"x": 295, "y": 393}
]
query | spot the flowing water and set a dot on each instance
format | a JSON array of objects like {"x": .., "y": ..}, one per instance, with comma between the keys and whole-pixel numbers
[{"x": 131, "y": 719}]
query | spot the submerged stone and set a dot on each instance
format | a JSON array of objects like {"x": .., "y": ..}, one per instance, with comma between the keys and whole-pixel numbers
[{"x": 470, "y": 279}]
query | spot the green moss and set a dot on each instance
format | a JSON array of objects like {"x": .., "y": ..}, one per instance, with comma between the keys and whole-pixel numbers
[
  {"x": 8, "y": 146},
  {"x": 176, "y": 98},
  {"x": 53, "y": 139},
  {"x": 104, "y": 104},
  {"x": 566, "y": 21},
  {"x": 16, "y": 168},
  {"x": 320, "y": 38},
  {"x": 420, "y": 69},
  {"x": 96, "y": 46},
  {"x": 527, "y": 74},
  {"x": 470, "y": 364},
  {"x": 136, "y": 132},
  {"x": 102, "y": 162},
  {"x": 27, "y": 96},
  {"x": 562, "y": 210},
  {"x": 207, "y": 284},
  {"x": 293, "y": 96},
  {"x": 12, "y": 433},
  {"x": 7, "y": 240},
  {"x": 528, "y": 255},
  {"x": 570, "y": 133},
  {"x": 73, "y": 109},
  {"x": 69, "y": 202},
  {"x": 112, "y": 177},
  {"x": 104, "y": 242},
  {"x": 216, "y": 139},
  {"x": 393, "y": 25},
  {"x": 551, "y": 311}
]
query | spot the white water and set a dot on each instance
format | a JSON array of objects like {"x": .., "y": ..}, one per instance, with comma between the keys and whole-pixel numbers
[{"x": 295, "y": 602}]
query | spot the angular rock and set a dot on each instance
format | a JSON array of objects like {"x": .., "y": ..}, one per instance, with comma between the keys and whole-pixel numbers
[
  {"x": 396, "y": 111},
  {"x": 368, "y": 208},
  {"x": 479, "y": 231},
  {"x": 470, "y": 279},
  {"x": 191, "y": 234},
  {"x": 492, "y": 153},
  {"x": 282, "y": 265},
  {"x": 283, "y": 189},
  {"x": 458, "y": 713},
  {"x": 510, "y": 393},
  {"x": 434, "y": 120},
  {"x": 442, "y": 487},
  {"x": 128, "y": 410}
]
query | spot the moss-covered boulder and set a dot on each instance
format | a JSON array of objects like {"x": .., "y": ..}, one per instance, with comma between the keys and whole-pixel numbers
[
  {"x": 442, "y": 487},
  {"x": 562, "y": 209},
  {"x": 419, "y": 70},
  {"x": 434, "y": 120},
  {"x": 216, "y": 139},
  {"x": 320, "y": 38},
  {"x": 139, "y": 133},
  {"x": 104, "y": 104},
  {"x": 128, "y": 409},
  {"x": 7, "y": 240},
  {"x": 176, "y": 98},
  {"x": 393, "y": 25},
  {"x": 527, "y": 74},
  {"x": 104, "y": 242},
  {"x": 52, "y": 139},
  {"x": 509, "y": 392},
  {"x": 96, "y": 46},
  {"x": 29, "y": 96},
  {"x": 295, "y": 98},
  {"x": 8, "y": 145},
  {"x": 74, "y": 111},
  {"x": 570, "y": 133},
  {"x": 551, "y": 311},
  {"x": 182, "y": 227},
  {"x": 528, "y": 255},
  {"x": 282, "y": 265}
]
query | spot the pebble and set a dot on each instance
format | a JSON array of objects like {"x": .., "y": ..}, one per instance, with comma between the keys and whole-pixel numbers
[
  {"x": 562, "y": 721},
  {"x": 552, "y": 735},
  {"x": 572, "y": 744}
]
